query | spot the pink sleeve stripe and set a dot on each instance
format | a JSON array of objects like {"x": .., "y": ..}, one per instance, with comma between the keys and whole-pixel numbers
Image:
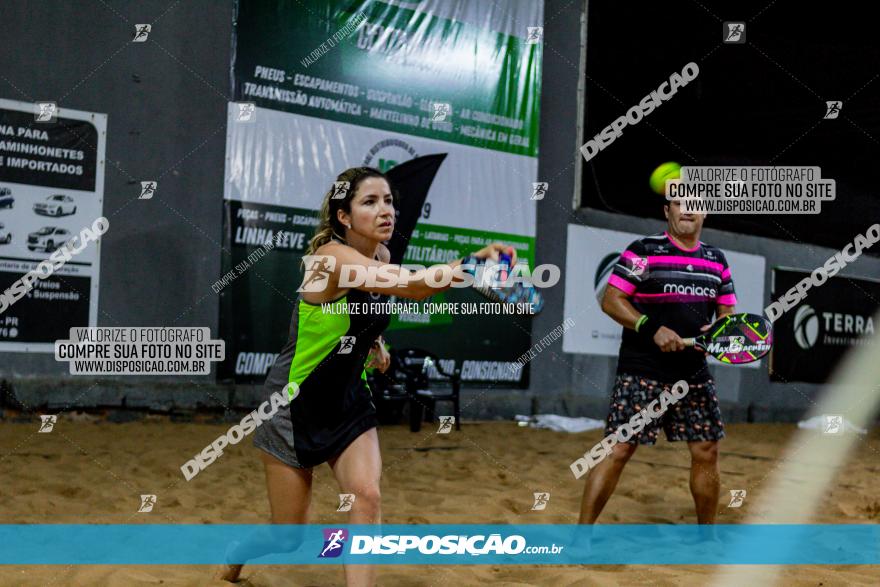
[
  {"x": 727, "y": 300},
  {"x": 630, "y": 255},
  {"x": 725, "y": 275},
  {"x": 684, "y": 261},
  {"x": 621, "y": 284}
]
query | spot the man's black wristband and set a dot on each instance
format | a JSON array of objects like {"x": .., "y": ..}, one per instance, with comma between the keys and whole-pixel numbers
[{"x": 648, "y": 329}]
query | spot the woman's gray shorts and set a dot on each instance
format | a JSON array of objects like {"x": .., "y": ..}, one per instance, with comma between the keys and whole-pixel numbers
[{"x": 275, "y": 436}]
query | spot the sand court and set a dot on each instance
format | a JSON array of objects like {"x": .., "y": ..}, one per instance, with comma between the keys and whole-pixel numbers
[{"x": 94, "y": 473}]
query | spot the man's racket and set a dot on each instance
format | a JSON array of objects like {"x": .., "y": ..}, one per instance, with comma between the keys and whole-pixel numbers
[
  {"x": 491, "y": 279},
  {"x": 736, "y": 338}
]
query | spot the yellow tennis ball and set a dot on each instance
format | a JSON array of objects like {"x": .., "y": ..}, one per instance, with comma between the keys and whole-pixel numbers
[{"x": 668, "y": 170}]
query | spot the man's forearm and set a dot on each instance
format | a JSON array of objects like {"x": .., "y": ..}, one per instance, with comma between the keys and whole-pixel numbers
[
  {"x": 623, "y": 312},
  {"x": 722, "y": 311}
]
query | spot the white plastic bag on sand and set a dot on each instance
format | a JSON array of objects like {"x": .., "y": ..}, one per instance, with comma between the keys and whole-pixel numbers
[
  {"x": 559, "y": 423},
  {"x": 818, "y": 423}
]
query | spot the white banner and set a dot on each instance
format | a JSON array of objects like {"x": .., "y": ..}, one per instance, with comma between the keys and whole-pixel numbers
[
  {"x": 292, "y": 160},
  {"x": 51, "y": 189},
  {"x": 593, "y": 252}
]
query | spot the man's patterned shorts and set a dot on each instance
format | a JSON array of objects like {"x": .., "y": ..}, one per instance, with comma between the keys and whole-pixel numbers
[{"x": 695, "y": 417}]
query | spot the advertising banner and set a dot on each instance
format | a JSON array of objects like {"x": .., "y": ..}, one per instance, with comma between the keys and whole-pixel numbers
[
  {"x": 810, "y": 339},
  {"x": 377, "y": 84},
  {"x": 51, "y": 189}
]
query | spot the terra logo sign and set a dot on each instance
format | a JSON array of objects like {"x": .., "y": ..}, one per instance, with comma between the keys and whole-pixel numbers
[
  {"x": 806, "y": 327},
  {"x": 837, "y": 328}
]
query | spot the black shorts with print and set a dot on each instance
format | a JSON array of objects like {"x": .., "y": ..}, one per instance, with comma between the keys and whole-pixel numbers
[{"x": 695, "y": 417}]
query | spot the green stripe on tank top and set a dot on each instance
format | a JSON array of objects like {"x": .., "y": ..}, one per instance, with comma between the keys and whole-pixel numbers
[{"x": 317, "y": 334}]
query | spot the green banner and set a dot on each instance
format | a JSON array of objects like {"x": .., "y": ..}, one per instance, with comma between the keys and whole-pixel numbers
[
  {"x": 387, "y": 65},
  {"x": 336, "y": 84}
]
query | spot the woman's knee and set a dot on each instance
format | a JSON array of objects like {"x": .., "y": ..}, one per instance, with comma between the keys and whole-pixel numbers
[{"x": 368, "y": 498}]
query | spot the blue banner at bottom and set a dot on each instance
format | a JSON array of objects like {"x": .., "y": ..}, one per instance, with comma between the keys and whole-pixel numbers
[{"x": 413, "y": 544}]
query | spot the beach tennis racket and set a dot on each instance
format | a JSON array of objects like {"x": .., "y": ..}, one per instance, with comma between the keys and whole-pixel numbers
[
  {"x": 736, "y": 338},
  {"x": 491, "y": 281}
]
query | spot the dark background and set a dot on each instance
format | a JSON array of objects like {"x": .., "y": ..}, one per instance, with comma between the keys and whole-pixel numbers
[{"x": 758, "y": 103}]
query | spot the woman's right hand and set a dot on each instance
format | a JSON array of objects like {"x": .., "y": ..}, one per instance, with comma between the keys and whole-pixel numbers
[{"x": 493, "y": 250}]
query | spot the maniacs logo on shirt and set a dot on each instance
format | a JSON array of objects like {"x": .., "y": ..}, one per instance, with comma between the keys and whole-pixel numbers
[
  {"x": 334, "y": 542},
  {"x": 694, "y": 290}
]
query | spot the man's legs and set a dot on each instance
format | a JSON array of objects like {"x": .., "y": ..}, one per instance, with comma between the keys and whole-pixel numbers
[
  {"x": 705, "y": 479},
  {"x": 602, "y": 480},
  {"x": 628, "y": 396}
]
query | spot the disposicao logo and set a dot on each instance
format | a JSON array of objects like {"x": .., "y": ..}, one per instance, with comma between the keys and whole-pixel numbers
[{"x": 334, "y": 542}]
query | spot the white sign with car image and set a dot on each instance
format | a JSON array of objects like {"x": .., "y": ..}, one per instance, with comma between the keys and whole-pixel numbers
[{"x": 51, "y": 189}]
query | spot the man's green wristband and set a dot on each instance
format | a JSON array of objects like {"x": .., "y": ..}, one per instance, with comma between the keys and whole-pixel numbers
[{"x": 646, "y": 328}]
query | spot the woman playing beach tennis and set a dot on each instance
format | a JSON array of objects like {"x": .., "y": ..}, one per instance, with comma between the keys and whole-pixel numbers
[{"x": 332, "y": 418}]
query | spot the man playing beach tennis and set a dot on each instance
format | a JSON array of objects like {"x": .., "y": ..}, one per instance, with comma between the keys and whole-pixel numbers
[{"x": 664, "y": 288}]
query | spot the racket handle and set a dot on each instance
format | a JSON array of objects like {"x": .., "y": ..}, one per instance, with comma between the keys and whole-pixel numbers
[{"x": 689, "y": 342}]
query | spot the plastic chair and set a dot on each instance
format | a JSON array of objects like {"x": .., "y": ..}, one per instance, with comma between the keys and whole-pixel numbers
[{"x": 415, "y": 366}]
